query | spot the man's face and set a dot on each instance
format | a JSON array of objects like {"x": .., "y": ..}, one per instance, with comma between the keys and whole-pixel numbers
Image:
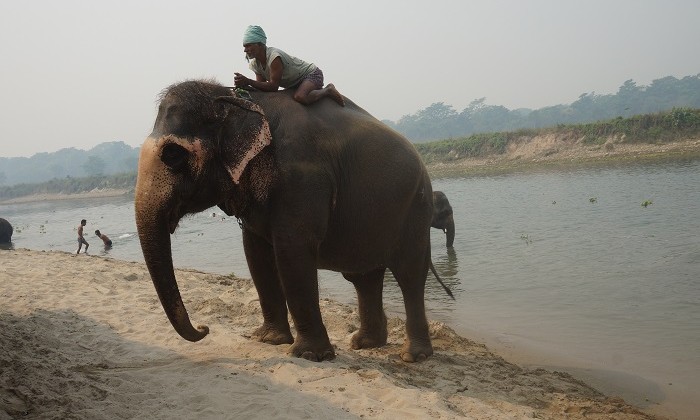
[{"x": 252, "y": 50}]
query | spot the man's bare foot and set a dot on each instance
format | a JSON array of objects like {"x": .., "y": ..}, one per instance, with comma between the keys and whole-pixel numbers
[{"x": 334, "y": 94}]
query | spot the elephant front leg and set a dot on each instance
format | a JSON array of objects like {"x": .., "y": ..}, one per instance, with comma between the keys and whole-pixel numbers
[
  {"x": 300, "y": 280},
  {"x": 261, "y": 263},
  {"x": 373, "y": 329}
]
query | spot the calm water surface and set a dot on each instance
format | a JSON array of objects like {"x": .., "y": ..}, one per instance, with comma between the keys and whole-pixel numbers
[{"x": 566, "y": 267}]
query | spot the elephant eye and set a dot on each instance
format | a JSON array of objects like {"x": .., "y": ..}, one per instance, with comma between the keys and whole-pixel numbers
[{"x": 174, "y": 156}]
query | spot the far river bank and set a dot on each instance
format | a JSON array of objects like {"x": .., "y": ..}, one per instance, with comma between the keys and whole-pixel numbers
[
  {"x": 553, "y": 152},
  {"x": 540, "y": 152}
]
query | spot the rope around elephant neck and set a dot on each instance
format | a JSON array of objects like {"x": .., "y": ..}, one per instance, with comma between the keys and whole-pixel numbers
[{"x": 240, "y": 93}]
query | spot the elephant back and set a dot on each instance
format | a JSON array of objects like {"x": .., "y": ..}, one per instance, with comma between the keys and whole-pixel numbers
[{"x": 314, "y": 132}]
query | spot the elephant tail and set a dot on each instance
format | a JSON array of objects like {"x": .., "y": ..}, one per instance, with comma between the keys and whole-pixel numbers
[{"x": 444, "y": 286}]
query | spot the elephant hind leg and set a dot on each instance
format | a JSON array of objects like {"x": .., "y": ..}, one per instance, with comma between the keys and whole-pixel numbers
[
  {"x": 373, "y": 329},
  {"x": 411, "y": 278}
]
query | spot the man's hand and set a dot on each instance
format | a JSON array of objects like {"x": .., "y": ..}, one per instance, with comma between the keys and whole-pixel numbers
[{"x": 240, "y": 80}]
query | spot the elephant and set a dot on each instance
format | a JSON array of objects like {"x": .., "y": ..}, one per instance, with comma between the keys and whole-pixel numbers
[
  {"x": 318, "y": 186},
  {"x": 443, "y": 217},
  {"x": 5, "y": 231}
]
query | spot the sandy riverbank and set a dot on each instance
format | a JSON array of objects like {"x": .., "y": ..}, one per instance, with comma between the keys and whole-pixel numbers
[
  {"x": 85, "y": 337},
  {"x": 551, "y": 151},
  {"x": 97, "y": 193}
]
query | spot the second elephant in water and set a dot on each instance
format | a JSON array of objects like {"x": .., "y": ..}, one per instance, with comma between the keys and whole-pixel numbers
[
  {"x": 5, "y": 231},
  {"x": 443, "y": 217}
]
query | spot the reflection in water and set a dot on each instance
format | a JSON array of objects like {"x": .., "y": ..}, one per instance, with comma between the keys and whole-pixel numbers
[
  {"x": 447, "y": 267},
  {"x": 105, "y": 250}
]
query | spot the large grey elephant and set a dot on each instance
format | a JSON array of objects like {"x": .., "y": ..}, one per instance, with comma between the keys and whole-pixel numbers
[
  {"x": 5, "y": 231},
  {"x": 314, "y": 187},
  {"x": 443, "y": 217}
]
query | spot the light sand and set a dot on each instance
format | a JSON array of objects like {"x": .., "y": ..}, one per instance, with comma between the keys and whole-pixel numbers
[
  {"x": 96, "y": 193},
  {"x": 85, "y": 337}
]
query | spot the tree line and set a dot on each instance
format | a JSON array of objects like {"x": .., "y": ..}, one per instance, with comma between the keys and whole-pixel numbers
[
  {"x": 436, "y": 122},
  {"x": 441, "y": 121},
  {"x": 70, "y": 185},
  {"x": 107, "y": 158}
]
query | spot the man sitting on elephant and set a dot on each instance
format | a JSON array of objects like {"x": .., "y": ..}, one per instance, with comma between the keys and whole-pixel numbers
[{"x": 274, "y": 68}]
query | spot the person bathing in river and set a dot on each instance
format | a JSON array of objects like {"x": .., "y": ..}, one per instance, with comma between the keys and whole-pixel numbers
[
  {"x": 274, "y": 68},
  {"x": 105, "y": 238}
]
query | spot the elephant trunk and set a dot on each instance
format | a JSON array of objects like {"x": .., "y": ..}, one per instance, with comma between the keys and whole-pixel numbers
[
  {"x": 450, "y": 231},
  {"x": 154, "y": 236}
]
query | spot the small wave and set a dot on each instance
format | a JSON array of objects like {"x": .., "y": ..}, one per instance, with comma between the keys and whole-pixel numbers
[{"x": 126, "y": 235}]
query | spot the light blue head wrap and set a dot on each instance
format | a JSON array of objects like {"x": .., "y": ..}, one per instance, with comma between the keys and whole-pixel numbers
[{"x": 254, "y": 34}]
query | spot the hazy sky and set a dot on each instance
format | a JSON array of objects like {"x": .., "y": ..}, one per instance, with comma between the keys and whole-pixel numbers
[{"x": 79, "y": 73}]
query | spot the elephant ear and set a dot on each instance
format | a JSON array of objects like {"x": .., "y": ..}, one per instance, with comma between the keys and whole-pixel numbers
[{"x": 245, "y": 132}]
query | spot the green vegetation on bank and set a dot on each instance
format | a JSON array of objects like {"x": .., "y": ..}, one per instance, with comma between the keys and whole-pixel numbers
[
  {"x": 663, "y": 127},
  {"x": 659, "y": 128},
  {"x": 441, "y": 121},
  {"x": 70, "y": 185}
]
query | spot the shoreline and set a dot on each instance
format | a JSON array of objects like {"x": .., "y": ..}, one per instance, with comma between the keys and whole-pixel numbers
[
  {"x": 97, "y": 193},
  {"x": 651, "y": 395},
  {"x": 94, "y": 326},
  {"x": 536, "y": 154},
  {"x": 551, "y": 153}
]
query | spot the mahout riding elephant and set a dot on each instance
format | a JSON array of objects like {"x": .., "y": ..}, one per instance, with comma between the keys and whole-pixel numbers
[
  {"x": 5, "y": 231},
  {"x": 314, "y": 187},
  {"x": 443, "y": 217}
]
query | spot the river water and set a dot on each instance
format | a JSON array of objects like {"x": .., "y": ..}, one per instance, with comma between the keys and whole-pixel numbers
[{"x": 564, "y": 269}]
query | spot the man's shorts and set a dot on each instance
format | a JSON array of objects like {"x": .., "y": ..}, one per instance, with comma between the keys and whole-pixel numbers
[{"x": 315, "y": 77}]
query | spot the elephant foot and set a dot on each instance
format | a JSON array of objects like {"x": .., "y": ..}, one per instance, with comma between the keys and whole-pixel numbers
[
  {"x": 413, "y": 351},
  {"x": 364, "y": 340},
  {"x": 313, "y": 350},
  {"x": 272, "y": 334}
]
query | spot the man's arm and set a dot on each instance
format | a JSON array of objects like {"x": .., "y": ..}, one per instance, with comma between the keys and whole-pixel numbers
[{"x": 261, "y": 83}]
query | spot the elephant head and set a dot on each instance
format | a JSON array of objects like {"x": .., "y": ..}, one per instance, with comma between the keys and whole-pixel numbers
[
  {"x": 5, "y": 231},
  {"x": 198, "y": 155},
  {"x": 443, "y": 217}
]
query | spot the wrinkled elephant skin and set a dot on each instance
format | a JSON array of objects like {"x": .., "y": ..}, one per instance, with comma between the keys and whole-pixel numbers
[{"x": 315, "y": 187}]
